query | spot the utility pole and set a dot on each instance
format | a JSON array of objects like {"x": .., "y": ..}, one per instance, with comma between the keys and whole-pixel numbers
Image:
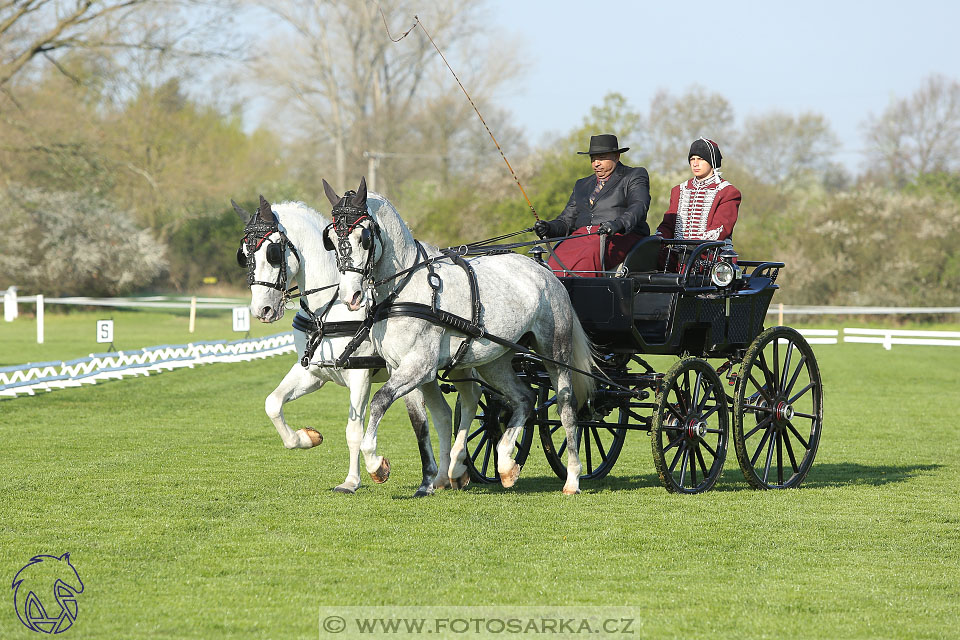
[{"x": 374, "y": 157}]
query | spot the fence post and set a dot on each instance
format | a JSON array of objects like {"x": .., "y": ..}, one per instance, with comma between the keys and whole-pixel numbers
[
  {"x": 193, "y": 313},
  {"x": 39, "y": 318},
  {"x": 780, "y": 315},
  {"x": 10, "y": 311}
]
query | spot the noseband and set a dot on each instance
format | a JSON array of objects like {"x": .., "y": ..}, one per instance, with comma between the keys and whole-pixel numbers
[{"x": 256, "y": 233}]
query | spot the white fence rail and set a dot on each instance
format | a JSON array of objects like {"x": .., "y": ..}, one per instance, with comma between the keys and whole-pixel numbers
[
  {"x": 45, "y": 376},
  {"x": 820, "y": 336},
  {"x": 890, "y": 337}
]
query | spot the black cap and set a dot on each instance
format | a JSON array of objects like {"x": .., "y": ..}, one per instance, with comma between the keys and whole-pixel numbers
[{"x": 706, "y": 149}]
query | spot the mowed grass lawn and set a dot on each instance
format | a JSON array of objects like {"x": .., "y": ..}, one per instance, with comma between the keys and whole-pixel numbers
[{"x": 186, "y": 518}]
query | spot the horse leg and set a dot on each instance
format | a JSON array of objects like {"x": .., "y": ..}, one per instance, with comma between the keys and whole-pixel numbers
[
  {"x": 358, "y": 381},
  {"x": 469, "y": 396},
  {"x": 520, "y": 399},
  {"x": 297, "y": 383},
  {"x": 568, "y": 418},
  {"x": 418, "y": 419},
  {"x": 402, "y": 381},
  {"x": 442, "y": 421}
]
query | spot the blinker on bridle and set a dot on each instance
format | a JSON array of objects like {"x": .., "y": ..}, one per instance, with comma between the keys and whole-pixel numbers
[{"x": 256, "y": 233}]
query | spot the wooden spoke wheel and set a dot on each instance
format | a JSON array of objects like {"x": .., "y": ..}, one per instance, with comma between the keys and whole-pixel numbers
[
  {"x": 598, "y": 443},
  {"x": 484, "y": 434},
  {"x": 689, "y": 429},
  {"x": 778, "y": 410}
]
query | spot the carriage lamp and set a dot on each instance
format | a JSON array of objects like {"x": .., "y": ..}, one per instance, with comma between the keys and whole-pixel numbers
[{"x": 726, "y": 270}]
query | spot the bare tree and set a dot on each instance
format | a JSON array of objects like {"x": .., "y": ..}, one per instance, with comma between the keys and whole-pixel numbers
[
  {"x": 917, "y": 135},
  {"x": 777, "y": 145},
  {"x": 48, "y": 29},
  {"x": 676, "y": 121},
  {"x": 339, "y": 79}
]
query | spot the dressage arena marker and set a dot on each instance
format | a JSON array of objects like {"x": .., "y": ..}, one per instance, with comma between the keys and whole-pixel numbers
[{"x": 45, "y": 376}]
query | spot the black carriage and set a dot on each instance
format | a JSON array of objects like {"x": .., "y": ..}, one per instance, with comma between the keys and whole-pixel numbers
[{"x": 699, "y": 301}]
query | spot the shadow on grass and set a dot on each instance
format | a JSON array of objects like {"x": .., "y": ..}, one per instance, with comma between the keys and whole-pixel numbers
[
  {"x": 821, "y": 476},
  {"x": 840, "y": 474}
]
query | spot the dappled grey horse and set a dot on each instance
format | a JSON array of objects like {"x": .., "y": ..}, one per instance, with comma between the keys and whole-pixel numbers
[
  {"x": 283, "y": 244},
  {"x": 516, "y": 300}
]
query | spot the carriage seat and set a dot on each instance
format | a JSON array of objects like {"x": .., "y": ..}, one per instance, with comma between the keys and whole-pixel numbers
[
  {"x": 642, "y": 257},
  {"x": 641, "y": 265}
]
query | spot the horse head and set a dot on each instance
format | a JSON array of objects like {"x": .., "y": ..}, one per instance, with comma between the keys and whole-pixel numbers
[
  {"x": 270, "y": 258},
  {"x": 354, "y": 236}
]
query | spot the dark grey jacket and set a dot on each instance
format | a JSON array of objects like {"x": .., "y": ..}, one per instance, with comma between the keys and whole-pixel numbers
[{"x": 625, "y": 198}]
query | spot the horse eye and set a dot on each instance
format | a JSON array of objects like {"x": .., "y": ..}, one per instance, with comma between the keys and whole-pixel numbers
[
  {"x": 274, "y": 255},
  {"x": 241, "y": 257}
]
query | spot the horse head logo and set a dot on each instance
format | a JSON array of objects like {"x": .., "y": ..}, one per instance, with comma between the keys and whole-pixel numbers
[{"x": 46, "y": 580}]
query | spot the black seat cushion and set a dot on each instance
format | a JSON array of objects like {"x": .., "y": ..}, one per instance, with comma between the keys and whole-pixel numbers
[{"x": 643, "y": 256}]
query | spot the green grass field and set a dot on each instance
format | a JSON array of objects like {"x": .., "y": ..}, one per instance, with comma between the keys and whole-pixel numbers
[{"x": 186, "y": 518}]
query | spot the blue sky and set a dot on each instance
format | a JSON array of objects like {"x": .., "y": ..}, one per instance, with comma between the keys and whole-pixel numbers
[{"x": 842, "y": 59}]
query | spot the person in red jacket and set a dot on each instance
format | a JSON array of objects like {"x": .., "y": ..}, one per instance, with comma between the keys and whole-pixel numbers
[{"x": 704, "y": 207}]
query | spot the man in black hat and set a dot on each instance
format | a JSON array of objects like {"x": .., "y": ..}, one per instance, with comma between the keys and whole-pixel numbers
[{"x": 613, "y": 201}]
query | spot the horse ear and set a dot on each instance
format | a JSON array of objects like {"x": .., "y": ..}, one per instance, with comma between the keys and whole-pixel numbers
[
  {"x": 360, "y": 200},
  {"x": 240, "y": 212},
  {"x": 266, "y": 214},
  {"x": 331, "y": 194}
]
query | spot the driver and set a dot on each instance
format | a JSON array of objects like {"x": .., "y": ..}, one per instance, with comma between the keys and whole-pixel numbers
[{"x": 613, "y": 201}]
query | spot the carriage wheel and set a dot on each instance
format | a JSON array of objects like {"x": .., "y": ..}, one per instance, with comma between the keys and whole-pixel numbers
[
  {"x": 689, "y": 429},
  {"x": 598, "y": 446},
  {"x": 484, "y": 434},
  {"x": 778, "y": 410}
]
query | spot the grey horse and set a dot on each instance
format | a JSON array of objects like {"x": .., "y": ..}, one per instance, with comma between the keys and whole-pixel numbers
[
  {"x": 282, "y": 245},
  {"x": 521, "y": 302}
]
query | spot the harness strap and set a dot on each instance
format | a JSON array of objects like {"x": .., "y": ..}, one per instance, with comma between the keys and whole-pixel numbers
[
  {"x": 436, "y": 316},
  {"x": 475, "y": 311},
  {"x": 374, "y": 312},
  {"x": 424, "y": 312},
  {"x": 313, "y": 326}
]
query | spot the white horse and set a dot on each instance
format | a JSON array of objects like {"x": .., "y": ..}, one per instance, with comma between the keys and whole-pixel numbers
[
  {"x": 283, "y": 243},
  {"x": 521, "y": 302}
]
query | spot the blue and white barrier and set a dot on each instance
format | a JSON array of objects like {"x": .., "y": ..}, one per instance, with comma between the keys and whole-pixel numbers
[{"x": 27, "y": 379}]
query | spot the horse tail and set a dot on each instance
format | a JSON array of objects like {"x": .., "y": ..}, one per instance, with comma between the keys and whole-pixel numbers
[{"x": 582, "y": 358}]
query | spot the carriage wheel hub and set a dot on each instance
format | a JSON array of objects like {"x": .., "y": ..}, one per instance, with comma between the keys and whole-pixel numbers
[
  {"x": 696, "y": 428},
  {"x": 783, "y": 411}
]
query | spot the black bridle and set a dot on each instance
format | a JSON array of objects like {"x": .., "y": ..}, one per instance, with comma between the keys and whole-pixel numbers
[
  {"x": 256, "y": 233},
  {"x": 346, "y": 218}
]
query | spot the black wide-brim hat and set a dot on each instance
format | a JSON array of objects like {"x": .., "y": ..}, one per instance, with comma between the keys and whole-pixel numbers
[{"x": 604, "y": 143}]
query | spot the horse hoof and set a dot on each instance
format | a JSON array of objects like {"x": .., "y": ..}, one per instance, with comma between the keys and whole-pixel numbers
[
  {"x": 314, "y": 435},
  {"x": 570, "y": 491},
  {"x": 462, "y": 481},
  {"x": 442, "y": 484},
  {"x": 423, "y": 492},
  {"x": 382, "y": 473},
  {"x": 509, "y": 478},
  {"x": 344, "y": 489}
]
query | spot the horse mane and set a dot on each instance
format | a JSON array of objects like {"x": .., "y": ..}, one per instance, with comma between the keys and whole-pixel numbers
[
  {"x": 304, "y": 226},
  {"x": 393, "y": 228},
  {"x": 301, "y": 212}
]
